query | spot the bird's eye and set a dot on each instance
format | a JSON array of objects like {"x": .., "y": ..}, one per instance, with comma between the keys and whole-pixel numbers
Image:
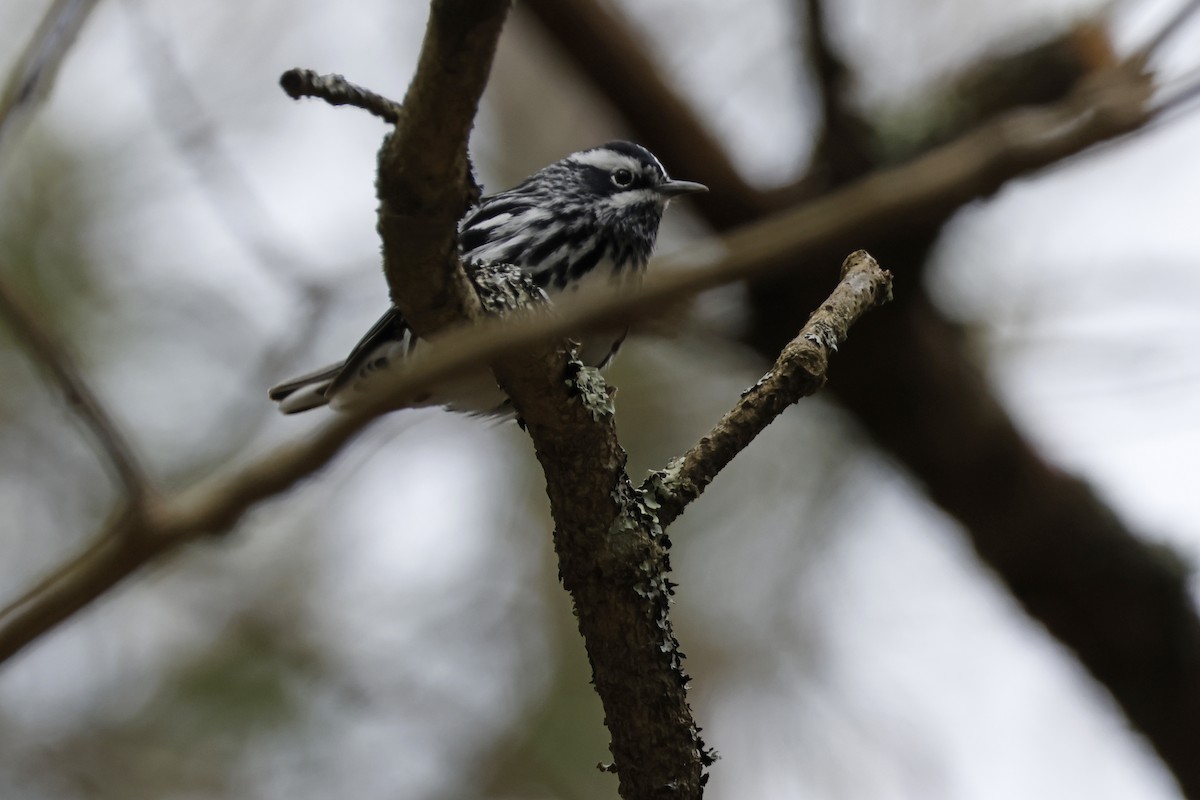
[{"x": 622, "y": 177}]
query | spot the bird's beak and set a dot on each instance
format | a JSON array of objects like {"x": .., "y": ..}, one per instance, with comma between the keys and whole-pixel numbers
[{"x": 671, "y": 189}]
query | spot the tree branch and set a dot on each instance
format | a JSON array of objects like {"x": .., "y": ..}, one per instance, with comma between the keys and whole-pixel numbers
[
  {"x": 52, "y": 357},
  {"x": 794, "y": 239},
  {"x": 337, "y": 91},
  {"x": 425, "y": 183},
  {"x": 612, "y": 552},
  {"x": 798, "y": 372},
  {"x": 34, "y": 73},
  {"x": 1124, "y": 611},
  {"x": 1167, "y": 30}
]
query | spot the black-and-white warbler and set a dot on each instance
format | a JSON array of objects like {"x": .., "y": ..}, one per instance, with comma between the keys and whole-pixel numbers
[{"x": 593, "y": 216}]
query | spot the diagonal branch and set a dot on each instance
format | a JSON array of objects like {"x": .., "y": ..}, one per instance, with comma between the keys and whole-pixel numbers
[
  {"x": 49, "y": 355},
  {"x": 1125, "y": 612},
  {"x": 798, "y": 372},
  {"x": 1168, "y": 30},
  {"x": 33, "y": 75},
  {"x": 128, "y": 542},
  {"x": 1121, "y": 605},
  {"x": 792, "y": 239}
]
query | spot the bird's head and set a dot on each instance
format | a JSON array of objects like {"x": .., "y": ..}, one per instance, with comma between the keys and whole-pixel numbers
[{"x": 623, "y": 176}]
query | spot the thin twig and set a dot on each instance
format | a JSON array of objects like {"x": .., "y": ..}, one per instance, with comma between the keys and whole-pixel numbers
[
  {"x": 1169, "y": 28},
  {"x": 337, "y": 91},
  {"x": 798, "y": 372},
  {"x": 52, "y": 357},
  {"x": 195, "y": 134},
  {"x": 32, "y": 76}
]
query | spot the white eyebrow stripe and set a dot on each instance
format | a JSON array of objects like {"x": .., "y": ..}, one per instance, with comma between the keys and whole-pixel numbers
[
  {"x": 607, "y": 160},
  {"x": 661, "y": 169}
]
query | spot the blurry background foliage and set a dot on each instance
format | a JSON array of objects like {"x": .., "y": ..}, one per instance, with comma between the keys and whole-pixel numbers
[{"x": 394, "y": 628}]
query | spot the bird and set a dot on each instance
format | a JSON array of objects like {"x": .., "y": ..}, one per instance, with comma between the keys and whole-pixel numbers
[{"x": 590, "y": 218}]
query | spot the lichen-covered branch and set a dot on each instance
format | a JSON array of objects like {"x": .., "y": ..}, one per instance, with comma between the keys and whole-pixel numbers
[
  {"x": 798, "y": 372},
  {"x": 613, "y": 560},
  {"x": 611, "y": 557},
  {"x": 612, "y": 550},
  {"x": 1121, "y": 607}
]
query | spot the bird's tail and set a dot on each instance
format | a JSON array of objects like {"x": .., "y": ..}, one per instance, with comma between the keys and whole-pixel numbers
[{"x": 306, "y": 391}]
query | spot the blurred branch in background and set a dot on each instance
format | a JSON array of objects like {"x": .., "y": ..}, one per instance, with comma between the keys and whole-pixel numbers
[
  {"x": 129, "y": 541},
  {"x": 1122, "y": 607},
  {"x": 945, "y": 177},
  {"x": 222, "y": 182},
  {"x": 844, "y": 146},
  {"x": 193, "y": 132},
  {"x": 51, "y": 357},
  {"x": 911, "y": 384},
  {"x": 33, "y": 75}
]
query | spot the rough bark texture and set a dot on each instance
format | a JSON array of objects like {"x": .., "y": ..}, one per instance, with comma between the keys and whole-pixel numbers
[
  {"x": 1119, "y": 605},
  {"x": 424, "y": 181}
]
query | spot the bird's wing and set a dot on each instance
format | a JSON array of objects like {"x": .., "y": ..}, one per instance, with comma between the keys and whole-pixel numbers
[
  {"x": 389, "y": 331},
  {"x": 289, "y": 387}
]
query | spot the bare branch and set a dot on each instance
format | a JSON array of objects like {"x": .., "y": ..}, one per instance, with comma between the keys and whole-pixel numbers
[
  {"x": 50, "y": 356},
  {"x": 454, "y": 66},
  {"x": 337, "y": 91},
  {"x": 195, "y": 134},
  {"x": 35, "y": 70},
  {"x": 977, "y": 163},
  {"x": 425, "y": 183},
  {"x": 798, "y": 372},
  {"x": 1169, "y": 28}
]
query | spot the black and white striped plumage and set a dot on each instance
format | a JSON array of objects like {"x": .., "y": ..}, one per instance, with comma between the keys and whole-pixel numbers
[{"x": 591, "y": 217}]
